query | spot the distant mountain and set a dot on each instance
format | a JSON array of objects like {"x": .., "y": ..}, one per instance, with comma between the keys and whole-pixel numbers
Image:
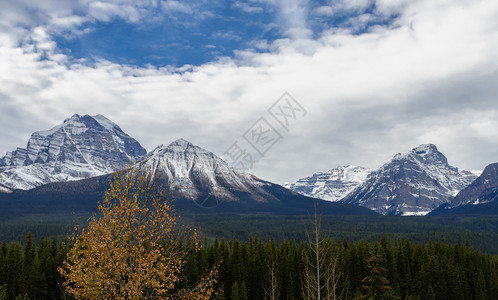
[
  {"x": 414, "y": 183},
  {"x": 81, "y": 147},
  {"x": 332, "y": 185},
  {"x": 196, "y": 180},
  {"x": 480, "y": 191},
  {"x": 480, "y": 197}
]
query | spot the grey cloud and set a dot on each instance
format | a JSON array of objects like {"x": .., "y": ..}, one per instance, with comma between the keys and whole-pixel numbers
[{"x": 431, "y": 79}]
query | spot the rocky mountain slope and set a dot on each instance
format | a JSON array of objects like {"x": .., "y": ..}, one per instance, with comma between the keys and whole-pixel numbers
[
  {"x": 81, "y": 147},
  {"x": 414, "y": 183},
  {"x": 479, "y": 191},
  {"x": 332, "y": 185},
  {"x": 196, "y": 180},
  {"x": 480, "y": 197},
  {"x": 197, "y": 174}
]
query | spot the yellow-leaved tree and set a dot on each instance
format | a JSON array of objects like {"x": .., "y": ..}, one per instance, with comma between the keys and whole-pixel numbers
[{"x": 135, "y": 248}]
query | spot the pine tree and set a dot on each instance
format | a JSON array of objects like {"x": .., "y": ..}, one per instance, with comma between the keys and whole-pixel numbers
[
  {"x": 3, "y": 259},
  {"x": 14, "y": 266},
  {"x": 3, "y": 292},
  {"x": 376, "y": 284},
  {"x": 243, "y": 292},
  {"x": 30, "y": 270},
  {"x": 235, "y": 295}
]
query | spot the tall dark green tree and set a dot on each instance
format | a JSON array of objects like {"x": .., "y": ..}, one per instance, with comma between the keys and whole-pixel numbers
[
  {"x": 30, "y": 270},
  {"x": 14, "y": 267},
  {"x": 3, "y": 292},
  {"x": 376, "y": 285}
]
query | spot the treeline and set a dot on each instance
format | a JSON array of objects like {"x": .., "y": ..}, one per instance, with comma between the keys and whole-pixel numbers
[
  {"x": 400, "y": 269},
  {"x": 29, "y": 271},
  {"x": 481, "y": 232},
  {"x": 258, "y": 269}
]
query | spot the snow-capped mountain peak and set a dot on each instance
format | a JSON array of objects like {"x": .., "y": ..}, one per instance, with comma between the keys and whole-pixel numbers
[
  {"x": 332, "y": 185},
  {"x": 414, "y": 183},
  {"x": 106, "y": 123},
  {"x": 193, "y": 172},
  {"x": 425, "y": 153},
  {"x": 180, "y": 145},
  {"x": 82, "y": 146}
]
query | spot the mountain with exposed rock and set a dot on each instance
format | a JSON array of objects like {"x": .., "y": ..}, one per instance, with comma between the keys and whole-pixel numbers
[
  {"x": 81, "y": 147},
  {"x": 194, "y": 179},
  {"x": 332, "y": 185},
  {"x": 194, "y": 173},
  {"x": 74, "y": 161},
  {"x": 480, "y": 197},
  {"x": 414, "y": 183}
]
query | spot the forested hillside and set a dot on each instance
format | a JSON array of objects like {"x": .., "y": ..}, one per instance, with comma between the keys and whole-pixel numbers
[{"x": 390, "y": 269}]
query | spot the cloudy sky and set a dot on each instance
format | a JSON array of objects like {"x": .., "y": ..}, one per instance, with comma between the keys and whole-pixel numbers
[{"x": 375, "y": 77}]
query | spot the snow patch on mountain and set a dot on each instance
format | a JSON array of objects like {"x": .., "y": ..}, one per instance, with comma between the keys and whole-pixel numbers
[
  {"x": 332, "y": 185},
  {"x": 80, "y": 147},
  {"x": 479, "y": 191},
  {"x": 194, "y": 172},
  {"x": 414, "y": 183}
]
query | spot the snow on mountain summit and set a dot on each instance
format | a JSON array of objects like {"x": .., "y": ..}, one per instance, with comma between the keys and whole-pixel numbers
[
  {"x": 80, "y": 147},
  {"x": 194, "y": 172},
  {"x": 414, "y": 183},
  {"x": 332, "y": 185}
]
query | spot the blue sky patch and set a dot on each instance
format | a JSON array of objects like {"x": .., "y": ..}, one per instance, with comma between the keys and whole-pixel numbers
[{"x": 214, "y": 29}]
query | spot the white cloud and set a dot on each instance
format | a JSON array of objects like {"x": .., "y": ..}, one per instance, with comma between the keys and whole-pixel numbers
[
  {"x": 176, "y": 6},
  {"x": 430, "y": 78},
  {"x": 247, "y": 7},
  {"x": 324, "y": 11},
  {"x": 294, "y": 17}
]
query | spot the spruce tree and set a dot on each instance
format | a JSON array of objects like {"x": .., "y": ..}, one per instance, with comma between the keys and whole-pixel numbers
[
  {"x": 235, "y": 295},
  {"x": 30, "y": 271},
  {"x": 376, "y": 285},
  {"x": 14, "y": 266},
  {"x": 3, "y": 292}
]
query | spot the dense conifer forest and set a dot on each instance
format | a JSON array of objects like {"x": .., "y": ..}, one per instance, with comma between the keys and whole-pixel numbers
[{"x": 260, "y": 269}]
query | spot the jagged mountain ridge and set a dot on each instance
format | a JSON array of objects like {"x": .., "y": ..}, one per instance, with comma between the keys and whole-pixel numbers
[
  {"x": 88, "y": 146},
  {"x": 332, "y": 185},
  {"x": 480, "y": 197},
  {"x": 196, "y": 180},
  {"x": 414, "y": 183},
  {"x": 81, "y": 147},
  {"x": 479, "y": 190}
]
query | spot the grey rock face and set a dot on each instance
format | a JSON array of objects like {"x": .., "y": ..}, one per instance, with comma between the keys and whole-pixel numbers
[
  {"x": 482, "y": 190},
  {"x": 81, "y": 147},
  {"x": 414, "y": 183},
  {"x": 332, "y": 185}
]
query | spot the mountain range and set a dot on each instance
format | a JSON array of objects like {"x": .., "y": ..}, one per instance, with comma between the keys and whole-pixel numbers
[
  {"x": 68, "y": 168},
  {"x": 196, "y": 180},
  {"x": 414, "y": 183}
]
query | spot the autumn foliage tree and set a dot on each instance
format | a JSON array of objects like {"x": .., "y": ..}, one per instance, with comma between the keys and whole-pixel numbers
[{"x": 135, "y": 249}]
